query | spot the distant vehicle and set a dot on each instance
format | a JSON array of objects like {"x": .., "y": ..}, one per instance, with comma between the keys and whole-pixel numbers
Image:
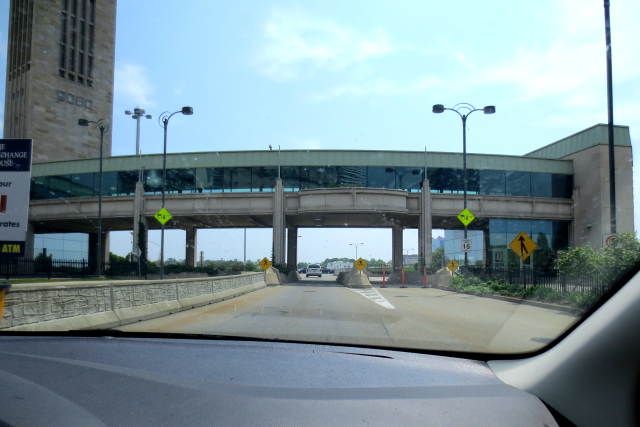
[
  {"x": 302, "y": 270},
  {"x": 325, "y": 270},
  {"x": 314, "y": 270}
]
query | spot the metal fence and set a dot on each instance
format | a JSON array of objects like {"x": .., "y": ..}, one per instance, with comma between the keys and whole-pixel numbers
[
  {"x": 552, "y": 279},
  {"x": 60, "y": 268}
]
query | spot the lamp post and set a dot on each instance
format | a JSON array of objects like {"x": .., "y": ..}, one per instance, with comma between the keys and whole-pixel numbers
[
  {"x": 103, "y": 125},
  {"x": 137, "y": 114},
  {"x": 356, "y": 245},
  {"x": 467, "y": 110},
  {"x": 164, "y": 123}
]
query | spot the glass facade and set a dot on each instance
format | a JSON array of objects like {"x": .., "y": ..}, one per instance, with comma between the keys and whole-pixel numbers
[
  {"x": 294, "y": 178},
  {"x": 453, "y": 246},
  {"x": 69, "y": 246},
  {"x": 491, "y": 245}
]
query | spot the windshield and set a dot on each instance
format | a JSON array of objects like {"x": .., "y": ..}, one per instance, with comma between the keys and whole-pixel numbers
[{"x": 447, "y": 166}]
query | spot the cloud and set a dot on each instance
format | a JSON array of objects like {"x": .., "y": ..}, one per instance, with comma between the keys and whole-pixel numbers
[
  {"x": 572, "y": 65},
  {"x": 298, "y": 46},
  {"x": 132, "y": 84},
  {"x": 380, "y": 86}
]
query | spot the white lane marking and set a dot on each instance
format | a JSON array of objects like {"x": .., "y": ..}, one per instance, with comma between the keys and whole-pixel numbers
[{"x": 374, "y": 296}]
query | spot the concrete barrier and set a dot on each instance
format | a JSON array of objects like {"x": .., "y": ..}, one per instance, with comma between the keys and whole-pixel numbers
[
  {"x": 95, "y": 305},
  {"x": 354, "y": 279}
]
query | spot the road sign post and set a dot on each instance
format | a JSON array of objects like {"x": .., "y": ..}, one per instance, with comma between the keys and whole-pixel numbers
[
  {"x": 453, "y": 265},
  {"x": 523, "y": 246},
  {"x": 465, "y": 218},
  {"x": 609, "y": 240},
  {"x": 265, "y": 263},
  {"x": 360, "y": 264}
]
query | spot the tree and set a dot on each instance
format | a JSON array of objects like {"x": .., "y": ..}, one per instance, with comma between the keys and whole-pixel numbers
[
  {"x": 582, "y": 261},
  {"x": 438, "y": 259},
  {"x": 611, "y": 264}
]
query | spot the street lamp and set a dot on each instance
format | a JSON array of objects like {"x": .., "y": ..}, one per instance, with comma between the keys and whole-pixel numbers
[
  {"x": 163, "y": 120},
  {"x": 356, "y": 245},
  {"x": 103, "y": 125},
  {"x": 467, "y": 110},
  {"x": 136, "y": 115}
]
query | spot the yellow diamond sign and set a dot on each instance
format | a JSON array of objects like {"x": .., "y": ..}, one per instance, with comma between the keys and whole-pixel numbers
[
  {"x": 522, "y": 245},
  {"x": 264, "y": 263},
  {"x": 466, "y": 217},
  {"x": 360, "y": 264},
  {"x": 163, "y": 216},
  {"x": 453, "y": 265}
]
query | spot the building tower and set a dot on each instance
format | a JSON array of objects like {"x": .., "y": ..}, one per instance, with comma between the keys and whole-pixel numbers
[{"x": 60, "y": 68}]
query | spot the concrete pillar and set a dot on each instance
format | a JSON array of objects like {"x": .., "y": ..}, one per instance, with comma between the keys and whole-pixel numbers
[
  {"x": 425, "y": 226},
  {"x": 396, "y": 239},
  {"x": 30, "y": 241},
  {"x": 138, "y": 209},
  {"x": 191, "y": 256},
  {"x": 292, "y": 248},
  {"x": 93, "y": 249},
  {"x": 278, "y": 224}
]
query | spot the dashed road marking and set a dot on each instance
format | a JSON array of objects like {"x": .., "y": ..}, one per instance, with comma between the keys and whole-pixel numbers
[{"x": 374, "y": 296}]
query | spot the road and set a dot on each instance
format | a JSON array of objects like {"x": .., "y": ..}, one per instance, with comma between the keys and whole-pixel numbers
[{"x": 321, "y": 310}]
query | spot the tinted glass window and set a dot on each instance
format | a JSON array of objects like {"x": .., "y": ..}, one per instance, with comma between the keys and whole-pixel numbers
[
  {"x": 518, "y": 183},
  {"x": 492, "y": 182},
  {"x": 541, "y": 185}
]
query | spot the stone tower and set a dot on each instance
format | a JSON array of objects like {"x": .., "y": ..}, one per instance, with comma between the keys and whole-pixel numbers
[{"x": 60, "y": 68}]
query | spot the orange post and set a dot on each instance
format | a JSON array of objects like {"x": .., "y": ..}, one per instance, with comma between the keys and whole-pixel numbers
[
  {"x": 383, "y": 277},
  {"x": 403, "y": 286},
  {"x": 424, "y": 278}
]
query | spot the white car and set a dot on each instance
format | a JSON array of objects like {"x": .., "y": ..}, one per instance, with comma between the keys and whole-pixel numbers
[{"x": 314, "y": 270}]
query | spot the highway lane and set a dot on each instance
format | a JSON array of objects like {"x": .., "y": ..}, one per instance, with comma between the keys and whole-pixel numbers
[{"x": 321, "y": 310}]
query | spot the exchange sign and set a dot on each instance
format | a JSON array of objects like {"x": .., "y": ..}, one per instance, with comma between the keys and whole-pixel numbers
[{"x": 15, "y": 183}]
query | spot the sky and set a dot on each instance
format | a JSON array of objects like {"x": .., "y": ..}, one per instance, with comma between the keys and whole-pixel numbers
[{"x": 357, "y": 75}]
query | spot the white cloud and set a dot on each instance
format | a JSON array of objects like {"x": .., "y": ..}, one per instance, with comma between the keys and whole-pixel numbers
[
  {"x": 132, "y": 85},
  {"x": 572, "y": 65},
  {"x": 296, "y": 45},
  {"x": 380, "y": 87}
]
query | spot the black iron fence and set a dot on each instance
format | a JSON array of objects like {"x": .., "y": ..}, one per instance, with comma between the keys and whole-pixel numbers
[
  {"x": 552, "y": 279},
  {"x": 48, "y": 268}
]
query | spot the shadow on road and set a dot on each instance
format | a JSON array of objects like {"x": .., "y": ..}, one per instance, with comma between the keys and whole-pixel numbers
[{"x": 316, "y": 282}]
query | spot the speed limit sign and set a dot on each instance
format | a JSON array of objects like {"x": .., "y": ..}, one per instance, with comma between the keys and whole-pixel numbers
[{"x": 466, "y": 245}]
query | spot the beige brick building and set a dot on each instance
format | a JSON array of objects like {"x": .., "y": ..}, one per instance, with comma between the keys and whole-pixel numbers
[{"x": 60, "y": 68}]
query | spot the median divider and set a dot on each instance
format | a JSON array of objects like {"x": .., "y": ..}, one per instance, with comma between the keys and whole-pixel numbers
[{"x": 98, "y": 305}]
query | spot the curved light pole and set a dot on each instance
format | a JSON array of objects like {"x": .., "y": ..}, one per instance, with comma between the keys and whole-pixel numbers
[
  {"x": 103, "y": 125},
  {"x": 163, "y": 120},
  {"x": 467, "y": 110},
  {"x": 356, "y": 245}
]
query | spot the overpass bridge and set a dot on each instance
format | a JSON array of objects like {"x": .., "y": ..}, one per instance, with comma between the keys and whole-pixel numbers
[
  {"x": 335, "y": 208},
  {"x": 559, "y": 192}
]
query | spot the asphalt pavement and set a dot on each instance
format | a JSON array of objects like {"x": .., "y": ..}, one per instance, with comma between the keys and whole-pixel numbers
[{"x": 321, "y": 310}]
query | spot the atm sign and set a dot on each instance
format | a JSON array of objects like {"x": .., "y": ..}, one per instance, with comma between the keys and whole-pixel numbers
[{"x": 13, "y": 249}]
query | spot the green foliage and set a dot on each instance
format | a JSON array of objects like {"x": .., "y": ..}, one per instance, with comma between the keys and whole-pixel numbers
[
  {"x": 116, "y": 258},
  {"x": 282, "y": 268},
  {"x": 610, "y": 265},
  {"x": 474, "y": 286},
  {"x": 582, "y": 261}
]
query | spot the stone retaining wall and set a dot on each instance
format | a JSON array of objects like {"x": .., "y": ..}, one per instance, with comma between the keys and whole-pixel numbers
[{"x": 89, "y": 305}]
